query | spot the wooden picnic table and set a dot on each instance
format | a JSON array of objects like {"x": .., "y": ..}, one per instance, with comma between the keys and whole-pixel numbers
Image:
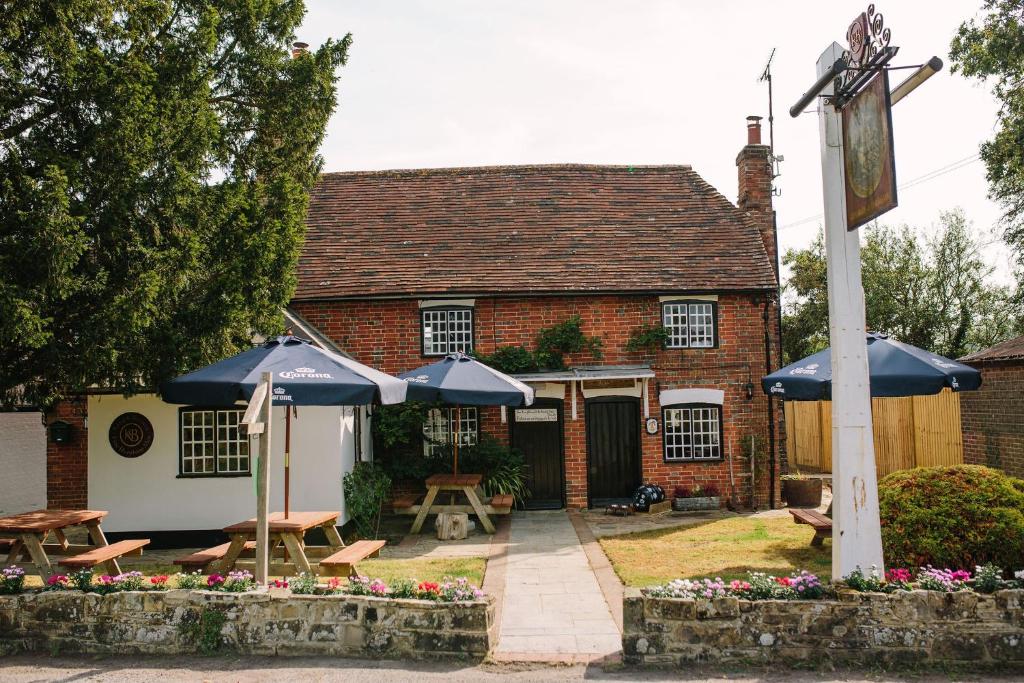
[
  {"x": 289, "y": 554},
  {"x": 30, "y": 532},
  {"x": 467, "y": 484}
]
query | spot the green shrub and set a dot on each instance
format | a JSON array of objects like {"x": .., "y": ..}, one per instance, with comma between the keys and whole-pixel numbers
[
  {"x": 510, "y": 359},
  {"x": 366, "y": 487},
  {"x": 502, "y": 467},
  {"x": 957, "y": 517}
]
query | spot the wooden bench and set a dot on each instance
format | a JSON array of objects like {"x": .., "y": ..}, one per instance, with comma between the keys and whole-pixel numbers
[
  {"x": 821, "y": 524},
  {"x": 501, "y": 504},
  {"x": 403, "y": 503},
  {"x": 343, "y": 562},
  {"x": 202, "y": 559},
  {"x": 106, "y": 555}
]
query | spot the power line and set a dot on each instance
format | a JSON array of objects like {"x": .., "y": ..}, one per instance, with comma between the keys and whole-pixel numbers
[{"x": 931, "y": 175}]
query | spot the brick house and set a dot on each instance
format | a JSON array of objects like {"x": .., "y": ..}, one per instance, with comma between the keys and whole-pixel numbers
[
  {"x": 992, "y": 417},
  {"x": 402, "y": 267}
]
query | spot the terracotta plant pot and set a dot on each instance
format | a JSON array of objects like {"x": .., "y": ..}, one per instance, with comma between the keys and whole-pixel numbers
[{"x": 802, "y": 493}]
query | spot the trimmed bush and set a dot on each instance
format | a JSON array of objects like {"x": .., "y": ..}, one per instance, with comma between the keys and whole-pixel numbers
[{"x": 959, "y": 517}]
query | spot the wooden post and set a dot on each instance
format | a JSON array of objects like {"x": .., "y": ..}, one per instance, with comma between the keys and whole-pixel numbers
[
  {"x": 263, "y": 478},
  {"x": 857, "y": 535}
]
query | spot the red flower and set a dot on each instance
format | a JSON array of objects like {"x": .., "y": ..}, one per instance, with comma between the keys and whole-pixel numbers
[
  {"x": 428, "y": 587},
  {"x": 783, "y": 580},
  {"x": 159, "y": 580}
]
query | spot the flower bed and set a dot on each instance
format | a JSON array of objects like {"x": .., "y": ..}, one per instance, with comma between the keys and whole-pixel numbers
[
  {"x": 930, "y": 616},
  {"x": 12, "y": 582}
]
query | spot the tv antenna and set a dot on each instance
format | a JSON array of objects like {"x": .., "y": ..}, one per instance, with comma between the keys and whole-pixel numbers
[{"x": 766, "y": 76}]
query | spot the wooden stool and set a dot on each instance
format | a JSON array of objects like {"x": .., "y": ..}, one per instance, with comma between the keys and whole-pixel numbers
[{"x": 452, "y": 526}]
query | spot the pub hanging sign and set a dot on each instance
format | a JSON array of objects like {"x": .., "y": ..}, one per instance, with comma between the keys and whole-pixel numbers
[{"x": 868, "y": 159}]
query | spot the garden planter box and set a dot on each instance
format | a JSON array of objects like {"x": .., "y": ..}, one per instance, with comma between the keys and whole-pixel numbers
[
  {"x": 802, "y": 493},
  {"x": 899, "y": 629},
  {"x": 257, "y": 623},
  {"x": 695, "y": 504}
]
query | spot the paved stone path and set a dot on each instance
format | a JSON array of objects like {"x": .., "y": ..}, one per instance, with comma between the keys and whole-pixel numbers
[{"x": 553, "y": 604}]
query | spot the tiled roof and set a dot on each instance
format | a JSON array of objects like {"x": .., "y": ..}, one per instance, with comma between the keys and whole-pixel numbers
[
  {"x": 526, "y": 229},
  {"x": 1011, "y": 349}
]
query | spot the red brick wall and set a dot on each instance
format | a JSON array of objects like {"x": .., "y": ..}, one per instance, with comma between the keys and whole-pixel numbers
[
  {"x": 67, "y": 465},
  {"x": 993, "y": 418},
  {"x": 754, "y": 168},
  {"x": 386, "y": 335}
]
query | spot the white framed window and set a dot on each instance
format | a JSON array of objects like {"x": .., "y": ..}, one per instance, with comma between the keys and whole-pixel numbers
[
  {"x": 692, "y": 432},
  {"x": 446, "y": 330},
  {"x": 690, "y": 324},
  {"x": 440, "y": 425},
  {"x": 211, "y": 443}
]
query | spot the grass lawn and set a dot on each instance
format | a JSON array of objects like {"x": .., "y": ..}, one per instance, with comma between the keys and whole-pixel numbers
[
  {"x": 387, "y": 569},
  {"x": 728, "y": 548}
]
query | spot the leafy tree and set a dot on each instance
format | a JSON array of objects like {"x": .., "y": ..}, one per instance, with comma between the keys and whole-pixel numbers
[
  {"x": 932, "y": 294},
  {"x": 155, "y": 163},
  {"x": 991, "y": 49}
]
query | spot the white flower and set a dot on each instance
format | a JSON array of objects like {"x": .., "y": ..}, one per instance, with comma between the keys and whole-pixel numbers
[{"x": 1019, "y": 574}]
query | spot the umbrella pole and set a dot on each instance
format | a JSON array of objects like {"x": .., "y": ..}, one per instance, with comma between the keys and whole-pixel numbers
[
  {"x": 287, "y": 455},
  {"x": 458, "y": 433}
]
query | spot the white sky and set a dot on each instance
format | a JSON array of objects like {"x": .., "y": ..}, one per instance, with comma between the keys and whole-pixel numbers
[{"x": 467, "y": 82}]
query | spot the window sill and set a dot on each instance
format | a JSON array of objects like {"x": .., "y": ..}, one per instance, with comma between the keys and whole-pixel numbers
[
  {"x": 214, "y": 476},
  {"x": 693, "y": 461}
]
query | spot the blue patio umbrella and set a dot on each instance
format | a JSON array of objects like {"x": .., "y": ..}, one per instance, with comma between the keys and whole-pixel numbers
[
  {"x": 303, "y": 375},
  {"x": 459, "y": 379},
  {"x": 894, "y": 368}
]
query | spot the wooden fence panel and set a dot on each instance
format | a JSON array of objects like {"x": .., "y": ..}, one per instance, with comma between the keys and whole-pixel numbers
[
  {"x": 935, "y": 443},
  {"x": 918, "y": 431},
  {"x": 893, "y": 421}
]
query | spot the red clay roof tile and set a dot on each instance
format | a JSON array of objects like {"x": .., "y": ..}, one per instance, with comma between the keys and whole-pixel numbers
[{"x": 525, "y": 229}]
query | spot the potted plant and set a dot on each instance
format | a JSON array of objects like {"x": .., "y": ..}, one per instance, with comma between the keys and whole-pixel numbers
[
  {"x": 700, "y": 497},
  {"x": 801, "y": 491}
]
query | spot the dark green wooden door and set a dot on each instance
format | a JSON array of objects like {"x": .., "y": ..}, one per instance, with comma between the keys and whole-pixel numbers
[{"x": 613, "y": 449}]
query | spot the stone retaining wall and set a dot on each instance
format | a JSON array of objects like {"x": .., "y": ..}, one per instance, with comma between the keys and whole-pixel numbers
[
  {"x": 904, "y": 628},
  {"x": 181, "y": 621}
]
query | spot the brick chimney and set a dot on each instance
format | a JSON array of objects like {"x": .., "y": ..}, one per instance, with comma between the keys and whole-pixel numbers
[{"x": 754, "y": 166}]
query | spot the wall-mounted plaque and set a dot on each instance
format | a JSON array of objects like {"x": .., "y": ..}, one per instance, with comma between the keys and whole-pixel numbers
[
  {"x": 870, "y": 166},
  {"x": 537, "y": 415},
  {"x": 131, "y": 435}
]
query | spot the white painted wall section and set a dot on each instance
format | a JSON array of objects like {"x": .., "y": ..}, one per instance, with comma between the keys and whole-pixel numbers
[
  {"x": 146, "y": 494},
  {"x": 23, "y": 462}
]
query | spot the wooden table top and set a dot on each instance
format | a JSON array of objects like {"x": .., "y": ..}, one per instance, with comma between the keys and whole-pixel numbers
[
  {"x": 455, "y": 480},
  {"x": 48, "y": 520},
  {"x": 297, "y": 521}
]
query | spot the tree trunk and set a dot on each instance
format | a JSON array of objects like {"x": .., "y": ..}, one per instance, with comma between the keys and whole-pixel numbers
[{"x": 452, "y": 526}]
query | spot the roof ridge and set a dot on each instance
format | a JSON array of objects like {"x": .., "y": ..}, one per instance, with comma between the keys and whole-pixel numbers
[{"x": 498, "y": 168}]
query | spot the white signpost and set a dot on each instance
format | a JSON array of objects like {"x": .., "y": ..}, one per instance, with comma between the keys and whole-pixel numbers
[{"x": 856, "y": 528}]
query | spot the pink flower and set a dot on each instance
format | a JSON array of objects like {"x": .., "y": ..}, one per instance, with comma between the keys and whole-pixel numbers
[
  {"x": 898, "y": 576},
  {"x": 214, "y": 580}
]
